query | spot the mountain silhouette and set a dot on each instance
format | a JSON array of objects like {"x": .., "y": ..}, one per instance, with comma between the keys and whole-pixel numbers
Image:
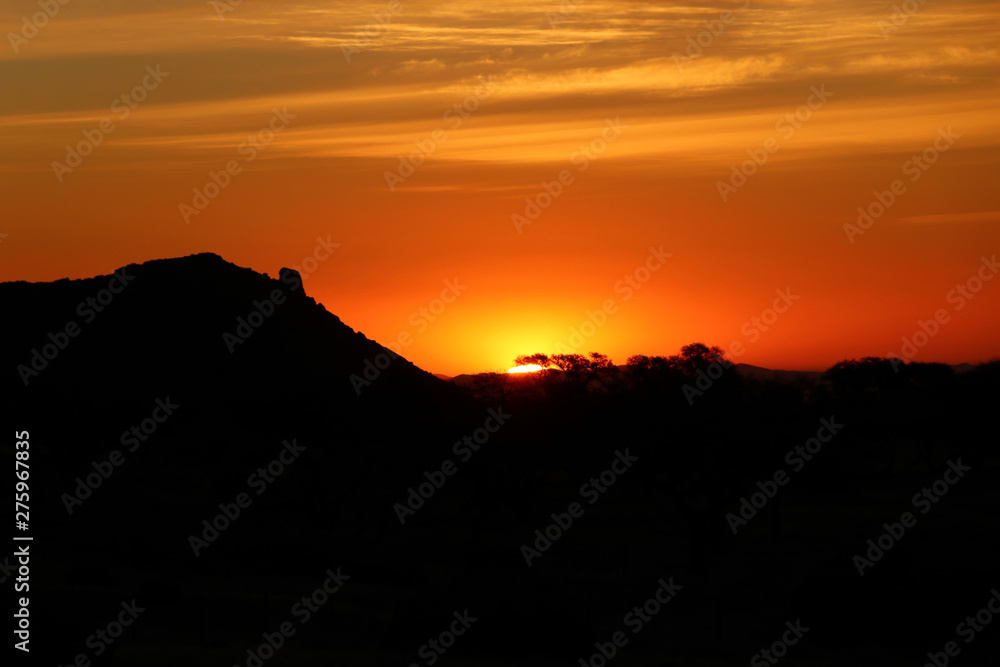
[
  {"x": 210, "y": 444},
  {"x": 173, "y": 314},
  {"x": 160, "y": 334}
]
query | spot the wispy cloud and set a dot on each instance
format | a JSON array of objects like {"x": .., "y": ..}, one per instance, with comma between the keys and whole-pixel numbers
[{"x": 605, "y": 58}]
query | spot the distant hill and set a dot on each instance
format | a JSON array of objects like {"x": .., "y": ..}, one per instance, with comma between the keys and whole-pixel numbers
[
  {"x": 759, "y": 373},
  {"x": 464, "y": 379},
  {"x": 745, "y": 370}
]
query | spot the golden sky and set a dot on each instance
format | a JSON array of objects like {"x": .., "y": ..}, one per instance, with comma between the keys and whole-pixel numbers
[{"x": 644, "y": 109}]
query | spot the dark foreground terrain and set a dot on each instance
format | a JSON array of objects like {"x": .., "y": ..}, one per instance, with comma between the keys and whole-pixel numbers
[{"x": 211, "y": 487}]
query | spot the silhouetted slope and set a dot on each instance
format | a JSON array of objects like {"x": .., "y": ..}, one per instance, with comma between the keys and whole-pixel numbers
[
  {"x": 493, "y": 535},
  {"x": 165, "y": 333},
  {"x": 161, "y": 338},
  {"x": 171, "y": 318}
]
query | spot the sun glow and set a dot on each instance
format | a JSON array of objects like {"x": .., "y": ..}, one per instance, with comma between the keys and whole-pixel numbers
[{"x": 531, "y": 368}]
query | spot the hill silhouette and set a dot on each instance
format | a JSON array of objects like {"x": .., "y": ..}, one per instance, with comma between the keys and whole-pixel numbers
[
  {"x": 160, "y": 339},
  {"x": 216, "y": 466}
]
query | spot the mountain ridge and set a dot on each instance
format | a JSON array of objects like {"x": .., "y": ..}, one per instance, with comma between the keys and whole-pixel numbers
[{"x": 222, "y": 332}]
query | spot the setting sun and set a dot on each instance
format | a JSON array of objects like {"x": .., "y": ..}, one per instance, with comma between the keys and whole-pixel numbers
[
  {"x": 742, "y": 255},
  {"x": 638, "y": 183}
]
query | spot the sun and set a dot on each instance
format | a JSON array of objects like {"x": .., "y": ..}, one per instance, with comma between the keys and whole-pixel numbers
[{"x": 531, "y": 368}]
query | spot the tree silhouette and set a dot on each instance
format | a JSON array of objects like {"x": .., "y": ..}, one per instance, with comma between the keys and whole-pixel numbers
[
  {"x": 698, "y": 356},
  {"x": 654, "y": 375},
  {"x": 537, "y": 359},
  {"x": 493, "y": 386}
]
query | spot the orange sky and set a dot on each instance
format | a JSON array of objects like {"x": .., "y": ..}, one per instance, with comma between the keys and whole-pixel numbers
[{"x": 664, "y": 130}]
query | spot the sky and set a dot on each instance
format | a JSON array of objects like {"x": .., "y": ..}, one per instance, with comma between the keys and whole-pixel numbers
[{"x": 801, "y": 182}]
